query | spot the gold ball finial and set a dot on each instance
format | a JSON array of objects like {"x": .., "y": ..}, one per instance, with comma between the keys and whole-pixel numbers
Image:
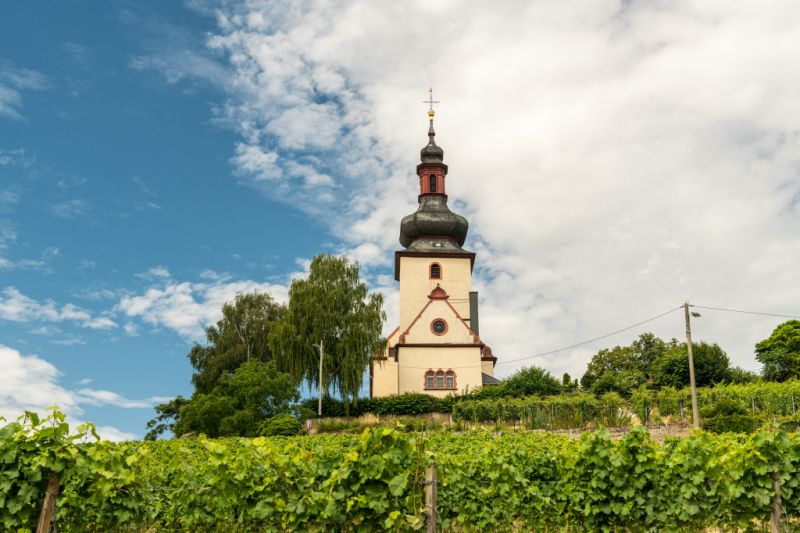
[{"x": 430, "y": 101}]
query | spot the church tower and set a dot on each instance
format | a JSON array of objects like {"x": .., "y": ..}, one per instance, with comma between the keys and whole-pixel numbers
[{"x": 436, "y": 348}]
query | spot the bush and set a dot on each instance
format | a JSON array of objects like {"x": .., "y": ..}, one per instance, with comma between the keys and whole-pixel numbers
[
  {"x": 413, "y": 403},
  {"x": 281, "y": 426},
  {"x": 729, "y": 416}
]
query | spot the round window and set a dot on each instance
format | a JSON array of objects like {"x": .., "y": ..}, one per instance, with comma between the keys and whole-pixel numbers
[{"x": 439, "y": 326}]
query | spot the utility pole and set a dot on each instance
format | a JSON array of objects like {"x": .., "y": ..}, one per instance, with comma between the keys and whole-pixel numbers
[
  {"x": 321, "y": 378},
  {"x": 692, "y": 385}
]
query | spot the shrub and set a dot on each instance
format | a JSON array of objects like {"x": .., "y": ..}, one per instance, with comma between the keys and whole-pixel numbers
[
  {"x": 281, "y": 426},
  {"x": 729, "y": 416}
]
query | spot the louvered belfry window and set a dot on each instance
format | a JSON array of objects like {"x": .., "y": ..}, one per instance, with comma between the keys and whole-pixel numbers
[
  {"x": 436, "y": 271},
  {"x": 432, "y": 183}
]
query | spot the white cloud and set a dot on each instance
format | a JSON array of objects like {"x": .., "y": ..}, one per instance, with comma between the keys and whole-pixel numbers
[
  {"x": 613, "y": 159},
  {"x": 70, "y": 341},
  {"x": 17, "y": 307},
  {"x": 71, "y": 208},
  {"x": 14, "y": 80},
  {"x": 188, "y": 308},
  {"x": 29, "y": 383},
  {"x": 155, "y": 273}
]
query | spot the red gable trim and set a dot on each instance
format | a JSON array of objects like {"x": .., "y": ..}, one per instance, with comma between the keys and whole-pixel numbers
[{"x": 402, "y": 339}]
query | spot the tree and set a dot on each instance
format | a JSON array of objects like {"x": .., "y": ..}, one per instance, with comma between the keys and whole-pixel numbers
[
  {"x": 332, "y": 307},
  {"x": 616, "y": 369},
  {"x": 240, "y": 403},
  {"x": 532, "y": 381},
  {"x": 241, "y": 335},
  {"x": 568, "y": 384},
  {"x": 740, "y": 375},
  {"x": 780, "y": 352},
  {"x": 711, "y": 365},
  {"x": 623, "y": 369},
  {"x": 168, "y": 414}
]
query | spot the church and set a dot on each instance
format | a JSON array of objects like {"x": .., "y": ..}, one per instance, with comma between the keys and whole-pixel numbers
[{"x": 436, "y": 349}]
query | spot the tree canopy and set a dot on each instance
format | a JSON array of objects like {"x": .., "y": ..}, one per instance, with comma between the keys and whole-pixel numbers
[
  {"x": 240, "y": 403},
  {"x": 241, "y": 335},
  {"x": 711, "y": 366},
  {"x": 331, "y": 306},
  {"x": 532, "y": 381},
  {"x": 780, "y": 352},
  {"x": 623, "y": 369}
]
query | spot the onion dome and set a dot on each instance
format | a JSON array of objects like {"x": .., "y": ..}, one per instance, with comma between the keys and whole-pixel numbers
[
  {"x": 433, "y": 226},
  {"x": 431, "y": 153}
]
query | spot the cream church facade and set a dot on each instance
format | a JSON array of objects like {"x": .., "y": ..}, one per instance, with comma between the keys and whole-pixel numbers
[{"x": 436, "y": 348}]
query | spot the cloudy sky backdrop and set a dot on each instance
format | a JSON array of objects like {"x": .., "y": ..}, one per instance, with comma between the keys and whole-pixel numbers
[{"x": 614, "y": 159}]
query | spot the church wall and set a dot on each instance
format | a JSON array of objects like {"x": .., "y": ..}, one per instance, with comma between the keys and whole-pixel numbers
[
  {"x": 415, "y": 285},
  {"x": 384, "y": 378},
  {"x": 414, "y": 361},
  {"x": 487, "y": 368}
]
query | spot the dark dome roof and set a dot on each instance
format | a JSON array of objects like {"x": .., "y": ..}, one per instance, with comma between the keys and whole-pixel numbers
[
  {"x": 431, "y": 153},
  {"x": 435, "y": 222}
]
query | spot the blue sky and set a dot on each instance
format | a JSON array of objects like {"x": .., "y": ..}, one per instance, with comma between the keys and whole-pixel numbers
[
  {"x": 108, "y": 171},
  {"x": 614, "y": 159}
]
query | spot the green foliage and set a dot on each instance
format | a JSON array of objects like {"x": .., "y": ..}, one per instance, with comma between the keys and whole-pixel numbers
[
  {"x": 711, "y": 366},
  {"x": 94, "y": 476},
  {"x": 167, "y": 414},
  {"x": 729, "y": 415},
  {"x": 741, "y": 376},
  {"x": 413, "y": 403},
  {"x": 332, "y": 307},
  {"x": 532, "y": 381},
  {"x": 241, "y": 335},
  {"x": 780, "y": 352},
  {"x": 281, "y": 426},
  {"x": 240, "y": 403},
  {"x": 487, "y": 481},
  {"x": 553, "y": 412},
  {"x": 623, "y": 369}
]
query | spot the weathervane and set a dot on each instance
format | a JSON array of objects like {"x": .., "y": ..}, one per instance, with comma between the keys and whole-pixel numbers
[{"x": 430, "y": 101}]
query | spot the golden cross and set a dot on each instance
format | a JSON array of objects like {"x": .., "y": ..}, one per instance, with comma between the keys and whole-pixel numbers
[{"x": 430, "y": 101}]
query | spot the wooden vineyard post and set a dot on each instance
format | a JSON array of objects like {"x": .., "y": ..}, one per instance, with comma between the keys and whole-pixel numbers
[
  {"x": 775, "y": 518},
  {"x": 49, "y": 505},
  {"x": 430, "y": 499}
]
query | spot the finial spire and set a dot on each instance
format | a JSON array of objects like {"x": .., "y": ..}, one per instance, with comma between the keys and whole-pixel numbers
[{"x": 430, "y": 101}]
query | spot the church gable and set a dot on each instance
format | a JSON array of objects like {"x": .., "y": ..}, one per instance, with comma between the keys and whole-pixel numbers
[{"x": 439, "y": 323}]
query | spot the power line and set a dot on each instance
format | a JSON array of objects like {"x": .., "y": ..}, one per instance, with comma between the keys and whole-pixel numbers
[
  {"x": 743, "y": 311},
  {"x": 590, "y": 340},
  {"x": 566, "y": 347}
]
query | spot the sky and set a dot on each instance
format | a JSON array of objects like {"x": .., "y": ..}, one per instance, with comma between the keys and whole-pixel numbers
[{"x": 614, "y": 160}]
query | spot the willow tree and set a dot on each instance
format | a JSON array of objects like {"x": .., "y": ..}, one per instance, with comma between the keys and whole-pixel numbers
[{"x": 333, "y": 307}]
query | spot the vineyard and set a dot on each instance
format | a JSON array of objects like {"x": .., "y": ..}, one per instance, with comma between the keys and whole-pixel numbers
[{"x": 376, "y": 481}]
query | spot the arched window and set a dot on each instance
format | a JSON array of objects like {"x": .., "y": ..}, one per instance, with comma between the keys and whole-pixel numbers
[
  {"x": 440, "y": 380},
  {"x": 432, "y": 183},
  {"x": 429, "y": 379},
  {"x": 450, "y": 380},
  {"x": 436, "y": 271}
]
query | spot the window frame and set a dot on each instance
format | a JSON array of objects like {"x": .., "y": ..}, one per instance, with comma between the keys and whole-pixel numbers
[
  {"x": 433, "y": 329},
  {"x": 430, "y": 374},
  {"x": 430, "y": 270}
]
